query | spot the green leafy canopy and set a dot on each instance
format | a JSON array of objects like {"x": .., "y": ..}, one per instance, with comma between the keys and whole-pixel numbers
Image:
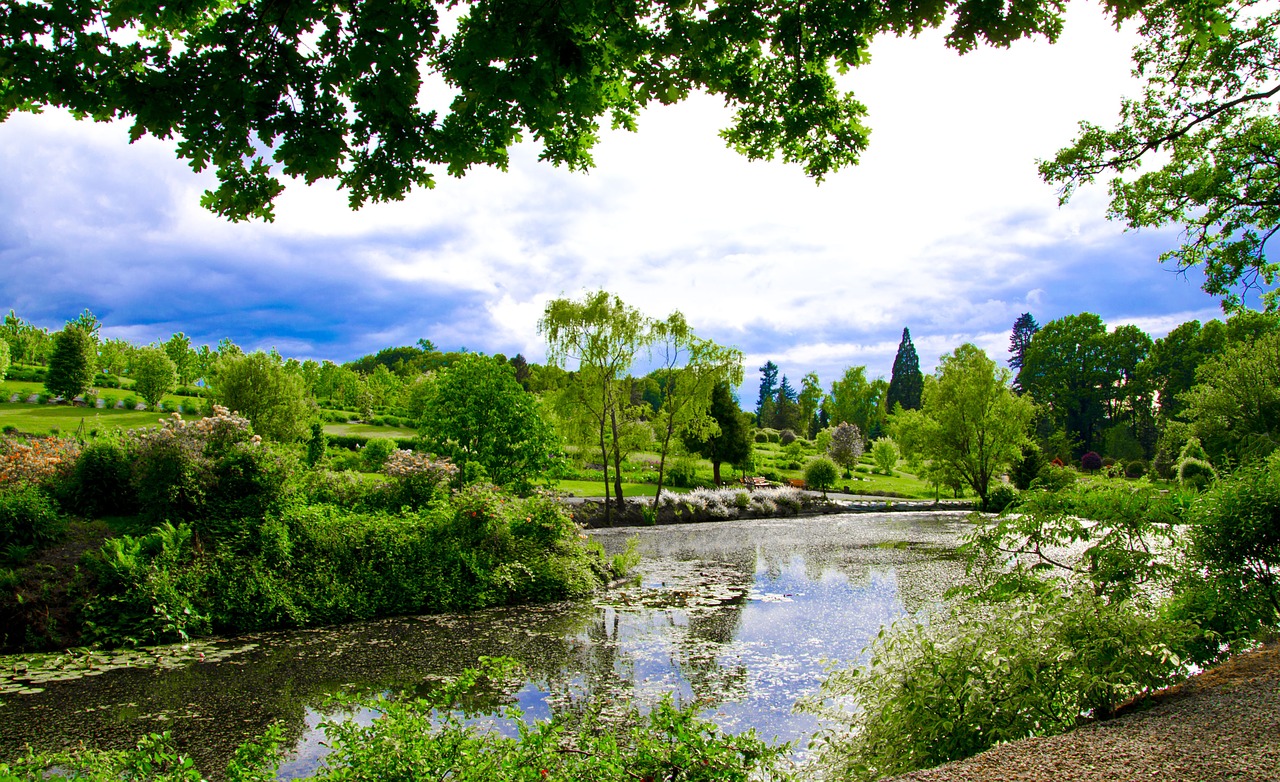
[
  {"x": 382, "y": 95},
  {"x": 1198, "y": 149}
]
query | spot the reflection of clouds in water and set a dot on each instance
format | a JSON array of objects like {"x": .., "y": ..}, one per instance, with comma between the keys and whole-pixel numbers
[{"x": 807, "y": 592}]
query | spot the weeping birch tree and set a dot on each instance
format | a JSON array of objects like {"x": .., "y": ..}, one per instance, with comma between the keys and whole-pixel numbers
[
  {"x": 602, "y": 335},
  {"x": 690, "y": 368}
]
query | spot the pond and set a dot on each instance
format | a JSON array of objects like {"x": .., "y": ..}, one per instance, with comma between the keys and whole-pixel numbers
[{"x": 740, "y": 615}]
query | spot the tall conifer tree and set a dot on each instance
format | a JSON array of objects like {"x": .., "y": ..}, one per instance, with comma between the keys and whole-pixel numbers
[
  {"x": 1024, "y": 328},
  {"x": 733, "y": 443},
  {"x": 906, "y": 384},
  {"x": 768, "y": 391}
]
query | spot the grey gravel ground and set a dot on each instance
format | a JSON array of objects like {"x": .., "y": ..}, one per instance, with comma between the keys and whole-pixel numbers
[{"x": 1221, "y": 725}]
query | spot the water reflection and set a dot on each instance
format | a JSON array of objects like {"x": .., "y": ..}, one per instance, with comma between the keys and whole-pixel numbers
[{"x": 737, "y": 616}]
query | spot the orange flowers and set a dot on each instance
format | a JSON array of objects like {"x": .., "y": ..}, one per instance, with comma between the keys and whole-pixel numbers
[{"x": 34, "y": 459}]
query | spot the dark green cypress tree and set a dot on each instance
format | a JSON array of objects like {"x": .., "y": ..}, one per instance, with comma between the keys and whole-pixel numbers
[
  {"x": 786, "y": 412},
  {"x": 1024, "y": 328},
  {"x": 907, "y": 383}
]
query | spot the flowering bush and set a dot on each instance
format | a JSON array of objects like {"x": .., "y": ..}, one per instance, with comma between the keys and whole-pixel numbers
[
  {"x": 418, "y": 477},
  {"x": 725, "y": 503},
  {"x": 209, "y": 436},
  {"x": 402, "y": 463},
  {"x": 180, "y": 466},
  {"x": 36, "y": 459}
]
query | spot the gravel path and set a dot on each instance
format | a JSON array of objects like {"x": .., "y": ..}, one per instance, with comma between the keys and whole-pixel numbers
[{"x": 1223, "y": 724}]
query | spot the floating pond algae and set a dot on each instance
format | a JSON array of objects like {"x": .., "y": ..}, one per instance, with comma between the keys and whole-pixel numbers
[
  {"x": 25, "y": 674},
  {"x": 692, "y": 585}
]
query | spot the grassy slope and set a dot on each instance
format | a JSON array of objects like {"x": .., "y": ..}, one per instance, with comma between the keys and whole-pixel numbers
[{"x": 43, "y": 419}]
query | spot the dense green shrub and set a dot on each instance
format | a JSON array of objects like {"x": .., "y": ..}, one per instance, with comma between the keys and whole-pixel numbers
[
  {"x": 1031, "y": 645},
  {"x": 786, "y": 437},
  {"x": 101, "y": 483},
  {"x": 1053, "y": 478},
  {"x": 1233, "y": 586},
  {"x": 1195, "y": 473},
  {"x": 1000, "y": 497},
  {"x": 1135, "y": 469},
  {"x": 978, "y": 675},
  {"x": 169, "y": 479},
  {"x": 29, "y": 519},
  {"x": 1025, "y": 470},
  {"x": 683, "y": 473},
  {"x": 761, "y": 437},
  {"x": 246, "y": 481},
  {"x": 307, "y": 564},
  {"x": 27, "y": 374},
  {"x": 820, "y": 474},
  {"x": 345, "y": 488},
  {"x": 375, "y": 453}
]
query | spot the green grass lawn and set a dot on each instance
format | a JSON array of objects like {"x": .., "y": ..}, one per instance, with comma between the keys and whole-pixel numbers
[
  {"x": 368, "y": 430},
  {"x": 596, "y": 488},
  {"x": 26, "y": 388},
  {"x": 43, "y": 419},
  {"x": 901, "y": 482}
]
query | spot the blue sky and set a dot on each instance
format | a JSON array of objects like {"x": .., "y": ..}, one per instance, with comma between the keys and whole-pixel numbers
[{"x": 944, "y": 228}]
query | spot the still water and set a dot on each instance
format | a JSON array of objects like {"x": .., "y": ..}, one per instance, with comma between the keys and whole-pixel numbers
[{"x": 741, "y": 616}]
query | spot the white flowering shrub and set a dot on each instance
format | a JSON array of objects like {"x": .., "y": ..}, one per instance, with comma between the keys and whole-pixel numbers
[
  {"x": 199, "y": 436},
  {"x": 203, "y": 469},
  {"x": 411, "y": 464},
  {"x": 417, "y": 476},
  {"x": 730, "y": 502}
]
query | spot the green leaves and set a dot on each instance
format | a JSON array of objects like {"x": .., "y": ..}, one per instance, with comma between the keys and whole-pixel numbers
[
  {"x": 431, "y": 738},
  {"x": 333, "y": 89},
  {"x": 1199, "y": 148},
  {"x": 971, "y": 426},
  {"x": 476, "y": 413}
]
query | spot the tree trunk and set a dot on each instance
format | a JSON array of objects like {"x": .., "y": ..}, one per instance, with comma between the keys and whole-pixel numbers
[
  {"x": 617, "y": 458},
  {"x": 662, "y": 460},
  {"x": 715, "y": 472},
  {"x": 604, "y": 463}
]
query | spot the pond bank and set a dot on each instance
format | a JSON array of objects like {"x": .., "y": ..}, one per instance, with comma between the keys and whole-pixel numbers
[
  {"x": 1223, "y": 724},
  {"x": 700, "y": 507}
]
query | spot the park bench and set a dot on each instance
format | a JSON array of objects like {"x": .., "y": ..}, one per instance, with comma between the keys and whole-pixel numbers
[{"x": 756, "y": 482}]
